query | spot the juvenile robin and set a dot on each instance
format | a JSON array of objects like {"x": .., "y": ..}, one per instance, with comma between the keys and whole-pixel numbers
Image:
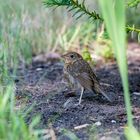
[{"x": 81, "y": 71}]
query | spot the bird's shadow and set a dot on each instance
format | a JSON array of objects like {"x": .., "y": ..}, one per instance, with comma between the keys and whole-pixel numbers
[{"x": 90, "y": 97}]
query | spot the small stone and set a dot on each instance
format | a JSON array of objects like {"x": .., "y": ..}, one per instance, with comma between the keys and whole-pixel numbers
[
  {"x": 38, "y": 69},
  {"x": 113, "y": 121},
  {"x": 136, "y": 93},
  {"x": 98, "y": 123}
]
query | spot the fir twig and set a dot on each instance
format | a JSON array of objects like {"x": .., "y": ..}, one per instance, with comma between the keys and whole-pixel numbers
[
  {"x": 74, "y": 5},
  {"x": 132, "y": 29},
  {"x": 133, "y": 3}
]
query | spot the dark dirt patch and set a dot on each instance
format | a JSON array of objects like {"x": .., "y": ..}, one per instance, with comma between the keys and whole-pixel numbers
[{"x": 41, "y": 84}]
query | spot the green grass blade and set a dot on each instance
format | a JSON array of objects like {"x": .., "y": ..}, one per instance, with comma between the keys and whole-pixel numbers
[
  {"x": 113, "y": 12},
  {"x": 132, "y": 134}
]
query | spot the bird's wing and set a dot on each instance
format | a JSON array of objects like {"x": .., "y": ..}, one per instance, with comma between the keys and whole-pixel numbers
[
  {"x": 85, "y": 80},
  {"x": 84, "y": 74},
  {"x": 86, "y": 68}
]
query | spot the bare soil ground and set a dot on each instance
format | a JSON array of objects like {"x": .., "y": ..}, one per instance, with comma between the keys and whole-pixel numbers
[{"x": 40, "y": 85}]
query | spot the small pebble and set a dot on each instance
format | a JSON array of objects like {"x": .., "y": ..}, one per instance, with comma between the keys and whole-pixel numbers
[
  {"x": 113, "y": 121},
  {"x": 38, "y": 69},
  {"x": 98, "y": 123},
  {"x": 136, "y": 93}
]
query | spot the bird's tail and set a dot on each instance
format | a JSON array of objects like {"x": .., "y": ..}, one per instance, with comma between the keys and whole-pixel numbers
[
  {"x": 99, "y": 90},
  {"x": 106, "y": 96}
]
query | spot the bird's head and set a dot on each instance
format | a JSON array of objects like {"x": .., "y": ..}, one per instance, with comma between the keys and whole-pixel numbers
[{"x": 71, "y": 57}]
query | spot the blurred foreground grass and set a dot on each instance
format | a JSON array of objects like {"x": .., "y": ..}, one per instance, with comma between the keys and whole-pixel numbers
[{"x": 12, "y": 125}]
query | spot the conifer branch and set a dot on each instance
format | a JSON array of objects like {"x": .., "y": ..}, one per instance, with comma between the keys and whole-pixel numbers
[{"x": 74, "y": 5}]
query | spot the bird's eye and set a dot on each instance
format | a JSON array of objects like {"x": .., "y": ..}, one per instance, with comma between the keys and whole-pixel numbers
[{"x": 72, "y": 56}]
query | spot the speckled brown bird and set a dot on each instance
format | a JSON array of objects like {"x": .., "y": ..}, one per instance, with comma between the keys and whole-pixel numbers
[{"x": 81, "y": 71}]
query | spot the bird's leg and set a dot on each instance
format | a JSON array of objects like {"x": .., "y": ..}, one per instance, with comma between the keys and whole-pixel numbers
[{"x": 82, "y": 91}]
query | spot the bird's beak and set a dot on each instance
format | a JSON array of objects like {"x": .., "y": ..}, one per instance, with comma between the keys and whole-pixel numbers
[{"x": 63, "y": 56}]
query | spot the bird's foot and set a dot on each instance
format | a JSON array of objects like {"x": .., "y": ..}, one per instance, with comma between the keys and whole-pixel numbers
[
  {"x": 70, "y": 104},
  {"x": 77, "y": 104}
]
